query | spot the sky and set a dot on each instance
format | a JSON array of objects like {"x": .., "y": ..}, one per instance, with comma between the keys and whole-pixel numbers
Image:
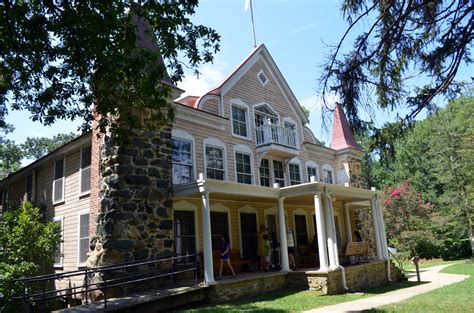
[{"x": 297, "y": 33}]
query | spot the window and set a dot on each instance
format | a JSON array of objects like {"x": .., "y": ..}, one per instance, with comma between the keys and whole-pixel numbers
[
  {"x": 182, "y": 161},
  {"x": 265, "y": 173},
  {"x": 301, "y": 230},
  {"x": 185, "y": 234},
  {"x": 58, "y": 255},
  {"x": 243, "y": 168},
  {"x": 214, "y": 163},
  {"x": 295, "y": 176},
  {"x": 29, "y": 187},
  {"x": 239, "y": 121},
  {"x": 83, "y": 237},
  {"x": 58, "y": 183},
  {"x": 262, "y": 77},
  {"x": 219, "y": 226},
  {"x": 290, "y": 134},
  {"x": 327, "y": 175},
  {"x": 312, "y": 171},
  {"x": 278, "y": 173},
  {"x": 85, "y": 170}
]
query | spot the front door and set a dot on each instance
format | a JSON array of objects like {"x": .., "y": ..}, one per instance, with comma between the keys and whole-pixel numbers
[{"x": 248, "y": 233}]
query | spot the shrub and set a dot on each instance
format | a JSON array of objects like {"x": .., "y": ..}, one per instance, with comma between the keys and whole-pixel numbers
[{"x": 455, "y": 249}]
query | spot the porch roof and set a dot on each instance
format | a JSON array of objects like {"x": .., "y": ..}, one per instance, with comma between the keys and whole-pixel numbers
[{"x": 301, "y": 194}]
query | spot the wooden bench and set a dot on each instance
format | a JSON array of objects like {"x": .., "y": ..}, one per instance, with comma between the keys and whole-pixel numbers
[
  {"x": 235, "y": 259},
  {"x": 357, "y": 249}
]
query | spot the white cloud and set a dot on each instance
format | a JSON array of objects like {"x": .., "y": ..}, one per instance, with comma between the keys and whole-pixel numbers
[{"x": 211, "y": 75}]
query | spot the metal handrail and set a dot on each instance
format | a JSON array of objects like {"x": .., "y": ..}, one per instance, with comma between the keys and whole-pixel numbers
[
  {"x": 400, "y": 263},
  {"x": 105, "y": 284}
]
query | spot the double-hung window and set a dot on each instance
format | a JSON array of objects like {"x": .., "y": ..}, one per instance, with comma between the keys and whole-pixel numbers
[
  {"x": 83, "y": 236},
  {"x": 279, "y": 173},
  {"x": 327, "y": 175},
  {"x": 295, "y": 176},
  {"x": 243, "y": 168},
  {"x": 29, "y": 187},
  {"x": 215, "y": 163},
  {"x": 85, "y": 170},
  {"x": 239, "y": 121},
  {"x": 58, "y": 255},
  {"x": 312, "y": 171},
  {"x": 182, "y": 161},
  {"x": 58, "y": 183},
  {"x": 265, "y": 179}
]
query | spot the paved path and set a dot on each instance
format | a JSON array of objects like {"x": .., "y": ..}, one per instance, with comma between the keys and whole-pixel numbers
[{"x": 432, "y": 274}]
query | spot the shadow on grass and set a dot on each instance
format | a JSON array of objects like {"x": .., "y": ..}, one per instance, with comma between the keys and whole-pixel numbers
[{"x": 291, "y": 300}]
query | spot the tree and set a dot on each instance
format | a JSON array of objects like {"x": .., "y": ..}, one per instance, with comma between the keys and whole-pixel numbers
[
  {"x": 10, "y": 157},
  {"x": 59, "y": 58},
  {"x": 28, "y": 246},
  {"x": 37, "y": 147},
  {"x": 406, "y": 40}
]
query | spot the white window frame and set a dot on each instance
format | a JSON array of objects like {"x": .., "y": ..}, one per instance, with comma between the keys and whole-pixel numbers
[
  {"x": 269, "y": 172},
  {"x": 180, "y": 134},
  {"x": 295, "y": 212},
  {"x": 215, "y": 143},
  {"x": 294, "y": 161},
  {"x": 80, "y": 173},
  {"x": 184, "y": 205},
  {"x": 244, "y": 150},
  {"x": 242, "y": 105},
  {"x": 272, "y": 172},
  {"x": 314, "y": 165},
  {"x": 61, "y": 245},
  {"x": 82, "y": 212},
  {"x": 328, "y": 168},
  {"x": 63, "y": 180},
  {"x": 289, "y": 120},
  {"x": 260, "y": 80}
]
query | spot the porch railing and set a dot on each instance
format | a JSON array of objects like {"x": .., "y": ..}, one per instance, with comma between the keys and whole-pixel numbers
[
  {"x": 120, "y": 275},
  {"x": 268, "y": 134}
]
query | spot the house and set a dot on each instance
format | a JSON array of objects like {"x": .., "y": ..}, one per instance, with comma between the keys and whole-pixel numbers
[{"x": 237, "y": 157}]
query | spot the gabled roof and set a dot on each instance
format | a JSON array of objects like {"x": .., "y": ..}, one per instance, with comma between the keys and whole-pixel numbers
[
  {"x": 260, "y": 50},
  {"x": 342, "y": 136}
]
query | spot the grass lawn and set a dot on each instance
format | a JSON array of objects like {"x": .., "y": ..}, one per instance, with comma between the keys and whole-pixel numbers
[
  {"x": 453, "y": 298},
  {"x": 291, "y": 300},
  {"x": 427, "y": 263}
]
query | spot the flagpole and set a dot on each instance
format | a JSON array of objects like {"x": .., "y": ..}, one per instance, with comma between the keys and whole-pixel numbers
[{"x": 253, "y": 25}]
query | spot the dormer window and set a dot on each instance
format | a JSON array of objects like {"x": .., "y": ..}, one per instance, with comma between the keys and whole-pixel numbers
[{"x": 263, "y": 78}]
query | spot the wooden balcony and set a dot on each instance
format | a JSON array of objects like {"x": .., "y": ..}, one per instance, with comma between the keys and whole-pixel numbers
[{"x": 276, "y": 141}]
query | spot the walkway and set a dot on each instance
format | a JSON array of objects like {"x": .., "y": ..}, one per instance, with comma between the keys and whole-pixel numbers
[{"x": 432, "y": 275}]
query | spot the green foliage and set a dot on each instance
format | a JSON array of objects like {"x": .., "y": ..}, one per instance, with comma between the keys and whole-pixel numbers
[
  {"x": 58, "y": 58},
  {"x": 10, "y": 157},
  {"x": 28, "y": 246},
  {"x": 436, "y": 157},
  {"x": 402, "y": 44},
  {"x": 37, "y": 147}
]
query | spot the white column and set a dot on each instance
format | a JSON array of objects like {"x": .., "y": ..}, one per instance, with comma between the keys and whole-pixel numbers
[
  {"x": 321, "y": 230},
  {"x": 378, "y": 241},
  {"x": 383, "y": 235},
  {"x": 336, "y": 251},
  {"x": 285, "y": 266},
  {"x": 347, "y": 222},
  {"x": 206, "y": 232},
  {"x": 330, "y": 233}
]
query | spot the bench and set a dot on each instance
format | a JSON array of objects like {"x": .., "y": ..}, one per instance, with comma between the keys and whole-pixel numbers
[
  {"x": 235, "y": 259},
  {"x": 357, "y": 249}
]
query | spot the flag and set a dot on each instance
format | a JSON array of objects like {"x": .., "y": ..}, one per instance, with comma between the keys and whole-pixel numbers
[{"x": 246, "y": 5}]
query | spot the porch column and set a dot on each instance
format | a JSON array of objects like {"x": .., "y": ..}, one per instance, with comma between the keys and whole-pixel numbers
[
  {"x": 330, "y": 233},
  {"x": 206, "y": 232},
  {"x": 378, "y": 240},
  {"x": 336, "y": 251},
  {"x": 321, "y": 230},
  {"x": 347, "y": 221},
  {"x": 382, "y": 230},
  {"x": 285, "y": 266}
]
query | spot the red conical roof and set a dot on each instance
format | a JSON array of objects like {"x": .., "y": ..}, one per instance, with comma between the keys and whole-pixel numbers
[{"x": 342, "y": 136}]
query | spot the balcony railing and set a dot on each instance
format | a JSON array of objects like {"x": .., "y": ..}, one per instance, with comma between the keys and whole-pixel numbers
[{"x": 273, "y": 134}]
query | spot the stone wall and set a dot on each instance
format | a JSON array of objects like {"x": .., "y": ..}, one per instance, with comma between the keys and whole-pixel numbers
[
  {"x": 136, "y": 220},
  {"x": 365, "y": 225}
]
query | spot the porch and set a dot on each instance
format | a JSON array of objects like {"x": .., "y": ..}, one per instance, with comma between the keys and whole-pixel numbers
[{"x": 321, "y": 217}]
